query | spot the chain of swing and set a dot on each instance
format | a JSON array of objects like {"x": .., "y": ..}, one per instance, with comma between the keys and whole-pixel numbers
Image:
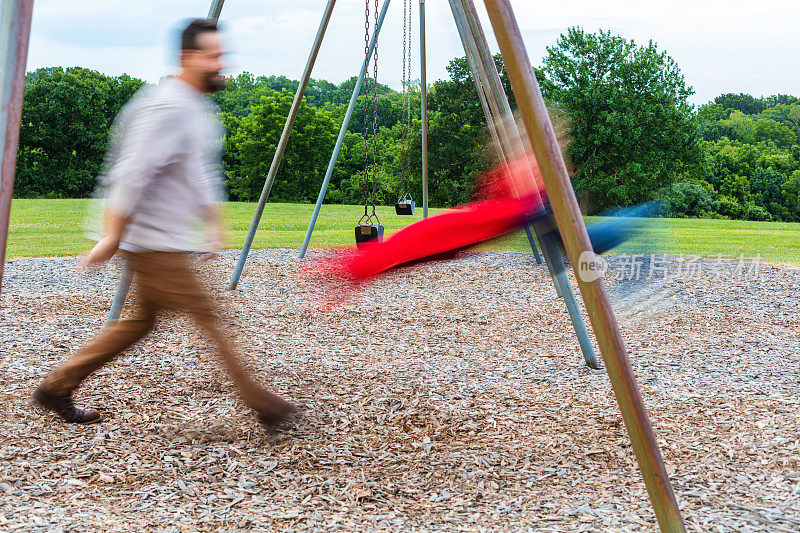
[
  {"x": 405, "y": 192},
  {"x": 369, "y": 227},
  {"x": 370, "y": 170}
]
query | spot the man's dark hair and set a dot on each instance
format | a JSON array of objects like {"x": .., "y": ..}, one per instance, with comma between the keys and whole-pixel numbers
[{"x": 193, "y": 30}]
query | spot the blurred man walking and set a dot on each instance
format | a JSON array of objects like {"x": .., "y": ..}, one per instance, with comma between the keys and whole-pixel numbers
[{"x": 163, "y": 173}]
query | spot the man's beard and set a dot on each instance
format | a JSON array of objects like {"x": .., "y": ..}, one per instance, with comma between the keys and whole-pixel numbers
[{"x": 214, "y": 83}]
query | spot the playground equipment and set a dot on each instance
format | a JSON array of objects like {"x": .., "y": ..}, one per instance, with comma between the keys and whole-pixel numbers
[
  {"x": 16, "y": 15},
  {"x": 508, "y": 198},
  {"x": 15, "y": 29},
  {"x": 405, "y": 202},
  {"x": 497, "y": 110},
  {"x": 369, "y": 228}
]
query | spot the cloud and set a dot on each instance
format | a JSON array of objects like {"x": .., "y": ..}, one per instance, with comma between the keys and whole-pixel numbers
[
  {"x": 720, "y": 46},
  {"x": 86, "y": 32}
]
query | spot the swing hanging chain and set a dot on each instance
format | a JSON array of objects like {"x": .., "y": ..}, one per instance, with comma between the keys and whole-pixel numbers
[
  {"x": 403, "y": 105},
  {"x": 375, "y": 117},
  {"x": 405, "y": 151},
  {"x": 366, "y": 115},
  {"x": 408, "y": 109}
]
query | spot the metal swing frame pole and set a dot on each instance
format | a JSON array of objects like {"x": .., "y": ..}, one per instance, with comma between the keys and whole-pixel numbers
[
  {"x": 491, "y": 124},
  {"x": 215, "y": 9},
  {"x": 15, "y": 23},
  {"x": 423, "y": 107},
  {"x": 513, "y": 142},
  {"x": 281, "y": 148},
  {"x": 579, "y": 249},
  {"x": 464, "y": 11},
  {"x": 124, "y": 285},
  {"x": 121, "y": 294},
  {"x": 482, "y": 82},
  {"x": 357, "y": 89}
]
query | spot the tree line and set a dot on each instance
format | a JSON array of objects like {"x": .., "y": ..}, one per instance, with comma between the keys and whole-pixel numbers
[{"x": 622, "y": 108}]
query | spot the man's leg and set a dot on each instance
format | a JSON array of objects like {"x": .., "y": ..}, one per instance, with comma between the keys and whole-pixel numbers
[
  {"x": 178, "y": 287},
  {"x": 55, "y": 392},
  {"x": 270, "y": 407}
]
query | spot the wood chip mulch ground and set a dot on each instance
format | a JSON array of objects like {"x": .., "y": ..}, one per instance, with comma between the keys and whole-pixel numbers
[{"x": 450, "y": 396}]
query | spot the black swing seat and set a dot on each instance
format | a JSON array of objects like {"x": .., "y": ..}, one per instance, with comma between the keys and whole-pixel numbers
[
  {"x": 405, "y": 207},
  {"x": 368, "y": 232}
]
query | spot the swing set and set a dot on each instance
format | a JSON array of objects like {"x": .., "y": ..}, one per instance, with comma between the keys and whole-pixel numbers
[
  {"x": 369, "y": 228},
  {"x": 509, "y": 141}
]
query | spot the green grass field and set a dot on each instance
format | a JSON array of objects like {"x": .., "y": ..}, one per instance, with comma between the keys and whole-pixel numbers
[{"x": 54, "y": 228}]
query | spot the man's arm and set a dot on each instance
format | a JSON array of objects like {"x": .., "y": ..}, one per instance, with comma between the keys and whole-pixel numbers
[
  {"x": 106, "y": 247},
  {"x": 153, "y": 140},
  {"x": 216, "y": 232}
]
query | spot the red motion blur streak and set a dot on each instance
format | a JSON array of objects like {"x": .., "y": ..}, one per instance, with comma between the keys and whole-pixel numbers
[
  {"x": 499, "y": 212},
  {"x": 449, "y": 231}
]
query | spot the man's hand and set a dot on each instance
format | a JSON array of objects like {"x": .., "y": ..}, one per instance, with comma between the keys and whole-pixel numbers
[
  {"x": 102, "y": 252},
  {"x": 107, "y": 246},
  {"x": 216, "y": 236}
]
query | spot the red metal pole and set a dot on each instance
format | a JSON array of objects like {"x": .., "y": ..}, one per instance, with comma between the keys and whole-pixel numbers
[
  {"x": 15, "y": 22},
  {"x": 579, "y": 249}
]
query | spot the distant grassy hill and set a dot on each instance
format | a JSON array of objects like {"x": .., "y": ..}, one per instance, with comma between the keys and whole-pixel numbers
[{"x": 53, "y": 228}]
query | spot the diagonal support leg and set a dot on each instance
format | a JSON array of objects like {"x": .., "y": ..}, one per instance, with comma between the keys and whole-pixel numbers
[
  {"x": 281, "y": 148},
  {"x": 122, "y": 293},
  {"x": 482, "y": 64},
  {"x": 579, "y": 249},
  {"x": 552, "y": 252},
  {"x": 534, "y": 249}
]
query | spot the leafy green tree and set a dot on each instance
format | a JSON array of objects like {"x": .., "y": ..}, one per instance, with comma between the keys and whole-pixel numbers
[
  {"x": 730, "y": 207},
  {"x": 755, "y": 212},
  {"x": 633, "y": 132},
  {"x": 791, "y": 192},
  {"x": 751, "y": 130},
  {"x": 709, "y": 118},
  {"x": 787, "y": 114},
  {"x": 765, "y": 184},
  {"x": 66, "y": 118},
  {"x": 389, "y": 112},
  {"x": 784, "y": 99},
  {"x": 240, "y": 94},
  {"x": 341, "y": 94},
  {"x": 688, "y": 199},
  {"x": 304, "y": 161},
  {"x": 742, "y": 102},
  {"x": 752, "y": 175}
]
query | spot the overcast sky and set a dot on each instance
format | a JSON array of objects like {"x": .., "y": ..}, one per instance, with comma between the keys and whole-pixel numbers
[{"x": 731, "y": 46}]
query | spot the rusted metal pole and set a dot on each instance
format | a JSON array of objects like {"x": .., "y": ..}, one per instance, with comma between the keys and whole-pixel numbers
[
  {"x": 579, "y": 249},
  {"x": 15, "y": 23},
  {"x": 281, "y": 148}
]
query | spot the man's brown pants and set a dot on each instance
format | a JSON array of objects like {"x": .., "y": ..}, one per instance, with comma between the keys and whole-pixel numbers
[{"x": 164, "y": 280}]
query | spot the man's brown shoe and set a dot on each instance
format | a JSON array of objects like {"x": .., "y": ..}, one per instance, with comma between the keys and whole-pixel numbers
[
  {"x": 64, "y": 407},
  {"x": 272, "y": 409}
]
